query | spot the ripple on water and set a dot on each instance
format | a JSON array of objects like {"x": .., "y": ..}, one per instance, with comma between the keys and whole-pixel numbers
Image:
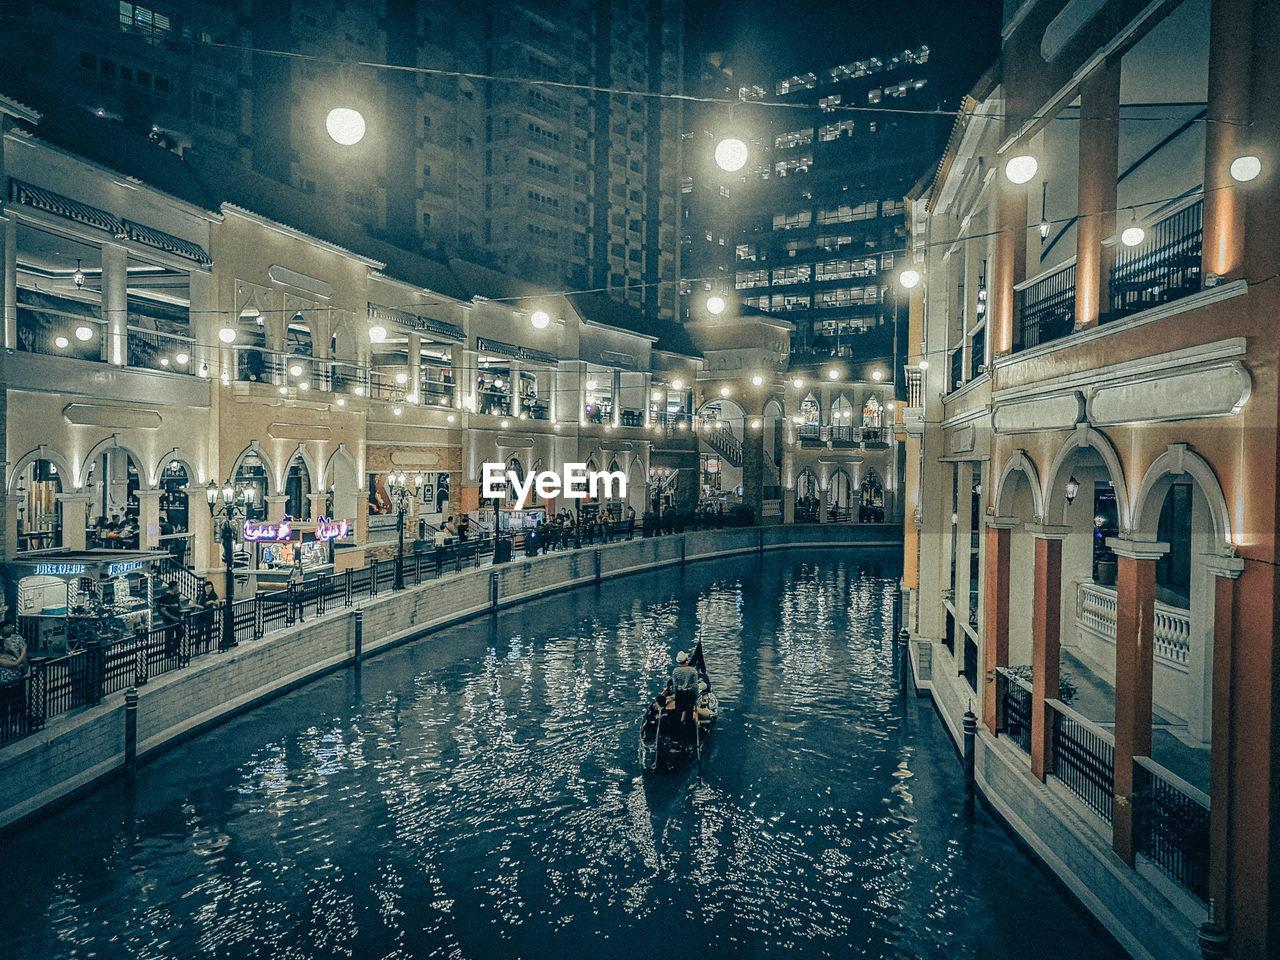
[{"x": 476, "y": 795}]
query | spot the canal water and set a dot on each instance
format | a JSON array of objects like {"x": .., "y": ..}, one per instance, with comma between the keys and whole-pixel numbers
[{"x": 477, "y": 794}]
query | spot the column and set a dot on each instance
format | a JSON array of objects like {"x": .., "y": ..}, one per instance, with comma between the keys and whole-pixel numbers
[
  {"x": 415, "y": 366},
  {"x": 11, "y": 545},
  {"x": 646, "y": 382},
  {"x": 1135, "y": 664},
  {"x": 275, "y": 508},
  {"x": 149, "y": 521},
  {"x": 995, "y": 632},
  {"x": 74, "y": 513},
  {"x": 200, "y": 526},
  {"x": 1099, "y": 149},
  {"x": 1045, "y": 640},
  {"x": 318, "y": 504},
  {"x": 10, "y": 267},
  {"x": 1225, "y": 571},
  {"x": 616, "y": 391},
  {"x": 1008, "y": 264},
  {"x": 1232, "y": 46},
  {"x": 115, "y": 302},
  {"x": 964, "y": 535},
  {"x": 513, "y": 382},
  {"x": 204, "y": 324},
  {"x": 753, "y": 470},
  {"x": 465, "y": 380}
]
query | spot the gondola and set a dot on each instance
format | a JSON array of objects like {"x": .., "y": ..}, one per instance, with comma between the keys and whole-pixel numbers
[{"x": 665, "y": 744}]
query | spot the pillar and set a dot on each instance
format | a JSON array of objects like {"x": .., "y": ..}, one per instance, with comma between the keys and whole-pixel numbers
[
  {"x": 9, "y": 263},
  {"x": 646, "y": 385},
  {"x": 115, "y": 302},
  {"x": 465, "y": 381},
  {"x": 74, "y": 513},
  {"x": 11, "y": 545},
  {"x": 1099, "y": 152},
  {"x": 415, "y": 365},
  {"x": 149, "y": 521},
  {"x": 789, "y": 505},
  {"x": 995, "y": 633},
  {"x": 1008, "y": 264},
  {"x": 1225, "y": 571},
  {"x": 753, "y": 470},
  {"x": 275, "y": 508},
  {"x": 1135, "y": 664},
  {"x": 318, "y": 504},
  {"x": 615, "y": 390},
  {"x": 1231, "y": 56},
  {"x": 1045, "y": 640}
]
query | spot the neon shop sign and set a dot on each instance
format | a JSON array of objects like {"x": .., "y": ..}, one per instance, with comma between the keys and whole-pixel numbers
[{"x": 325, "y": 531}]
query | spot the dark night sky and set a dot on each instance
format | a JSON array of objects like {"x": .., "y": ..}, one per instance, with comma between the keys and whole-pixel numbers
[{"x": 795, "y": 36}]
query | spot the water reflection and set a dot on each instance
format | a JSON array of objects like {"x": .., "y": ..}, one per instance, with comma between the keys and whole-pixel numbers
[{"x": 476, "y": 795}]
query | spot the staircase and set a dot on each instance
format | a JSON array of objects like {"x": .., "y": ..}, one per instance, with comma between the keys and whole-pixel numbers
[{"x": 722, "y": 441}]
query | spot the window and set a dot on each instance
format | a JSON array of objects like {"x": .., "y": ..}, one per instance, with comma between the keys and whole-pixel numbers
[
  {"x": 746, "y": 279},
  {"x": 792, "y": 221},
  {"x": 745, "y": 251},
  {"x": 724, "y": 190},
  {"x": 796, "y": 138},
  {"x": 798, "y": 164},
  {"x": 783, "y": 276},
  {"x": 833, "y": 242},
  {"x": 426, "y": 171},
  {"x": 829, "y": 103},
  {"x": 426, "y": 221},
  {"x": 845, "y": 212},
  {"x": 833, "y": 131}
]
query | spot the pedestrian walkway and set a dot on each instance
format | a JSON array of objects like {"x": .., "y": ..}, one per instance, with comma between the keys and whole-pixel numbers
[{"x": 1171, "y": 746}]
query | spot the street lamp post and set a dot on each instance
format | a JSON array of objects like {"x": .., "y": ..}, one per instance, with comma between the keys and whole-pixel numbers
[
  {"x": 400, "y": 493},
  {"x": 234, "y": 506}
]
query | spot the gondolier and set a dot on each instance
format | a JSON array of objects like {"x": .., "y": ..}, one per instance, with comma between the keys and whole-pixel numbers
[{"x": 684, "y": 684}]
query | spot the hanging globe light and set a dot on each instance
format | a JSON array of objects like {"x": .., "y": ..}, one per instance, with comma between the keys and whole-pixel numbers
[
  {"x": 345, "y": 126},
  {"x": 731, "y": 154}
]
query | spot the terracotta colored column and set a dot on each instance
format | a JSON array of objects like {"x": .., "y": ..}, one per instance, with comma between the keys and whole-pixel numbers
[
  {"x": 1135, "y": 663},
  {"x": 1099, "y": 149},
  {"x": 1046, "y": 617},
  {"x": 995, "y": 633},
  {"x": 1231, "y": 53}
]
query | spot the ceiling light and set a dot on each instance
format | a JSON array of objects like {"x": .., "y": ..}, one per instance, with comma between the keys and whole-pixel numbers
[
  {"x": 402, "y": 378},
  {"x": 61, "y": 343},
  {"x": 797, "y": 383},
  {"x": 182, "y": 358},
  {"x": 833, "y": 374},
  {"x": 295, "y": 370},
  {"x": 1133, "y": 234},
  {"x": 359, "y": 391},
  {"x": 164, "y": 361},
  {"x": 227, "y": 335},
  {"x": 909, "y": 278},
  {"x": 505, "y": 424},
  {"x": 591, "y": 384},
  {"x": 540, "y": 319},
  {"x": 84, "y": 334},
  {"x": 724, "y": 391},
  {"x": 757, "y": 380},
  {"x": 715, "y": 305},
  {"x": 283, "y": 391},
  {"x": 304, "y": 385},
  {"x": 876, "y": 375},
  {"x": 377, "y": 333},
  {"x": 677, "y": 384},
  {"x": 451, "y": 418},
  {"x": 397, "y": 410},
  {"x": 924, "y": 364},
  {"x": 342, "y": 401},
  {"x": 78, "y": 276}
]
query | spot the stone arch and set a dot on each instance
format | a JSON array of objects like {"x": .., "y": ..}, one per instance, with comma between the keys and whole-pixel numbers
[
  {"x": 842, "y": 411},
  {"x": 41, "y": 452},
  {"x": 308, "y": 461},
  {"x": 779, "y": 409},
  {"x": 842, "y": 494},
  {"x": 267, "y": 466},
  {"x": 1179, "y": 461},
  {"x": 1003, "y": 493},
  {"x": 177, "y": 453},
  {"x": 1085, "y": 436},
  {"x": 637, "y": 484},
  {"x": 341, "y": 454},
  {"x": 113, "y": 443}
]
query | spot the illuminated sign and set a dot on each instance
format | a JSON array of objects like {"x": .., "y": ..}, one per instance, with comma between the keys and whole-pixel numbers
[
  {"x": 254, "y": 532},
  {"x": 331, "y": 529},
  {"x": 124, "y": 566},
  {"x": 60, "y": 569}
]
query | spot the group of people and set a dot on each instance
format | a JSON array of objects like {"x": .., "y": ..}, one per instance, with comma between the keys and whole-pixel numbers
[
  {"x": 115, "y": 533},
  {"x": 453, "y": 530},
  {"x": 563, "y": 530}
]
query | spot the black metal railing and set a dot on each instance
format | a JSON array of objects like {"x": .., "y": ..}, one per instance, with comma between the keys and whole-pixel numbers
[
  {"x": 721, "y": 439},
  {"x": 1164, "y": 267},
  {"x": 152, "y": 350},
  {"x": 1047, "y": 308},
  {"x": 1083, "y": 759},
  {"x": 949, "y": 637},
  {"x": 1016, "y": 702},
  {"x": 957, "y": 369},
  {"x": 970, "y": 670},
  {"x": 1171, "y": 827}
]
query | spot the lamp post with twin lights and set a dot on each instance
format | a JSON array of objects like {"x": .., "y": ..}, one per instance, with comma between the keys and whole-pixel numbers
[
  {"x": 401, "y": 491},
  {"x": 233, "y": 508}
]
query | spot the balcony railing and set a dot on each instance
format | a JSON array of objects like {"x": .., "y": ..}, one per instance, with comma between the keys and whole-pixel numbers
[
  {"x": 153, "y": 350},
  {"x": 1096, "y": 613},
  {"x": 1164, "y": 267},
  {"x": 915, "y": 387},
  {"x": 1171, "y": 826},
  {"x": 977, "y": 352},
  {"x": 1083, "y": 758},
  {"x": 956, "y": 380},
  {"x": 1048, "y": 306},
  {"x": 1015, "y": 694}
]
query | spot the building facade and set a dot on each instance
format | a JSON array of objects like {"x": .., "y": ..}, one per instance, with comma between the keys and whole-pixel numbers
[
  {"x": 526, "y": 135},
  {"x": 1092, "y": 524}
]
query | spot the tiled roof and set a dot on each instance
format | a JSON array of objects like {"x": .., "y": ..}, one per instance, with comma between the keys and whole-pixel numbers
[{"x": 603, "y": 309}]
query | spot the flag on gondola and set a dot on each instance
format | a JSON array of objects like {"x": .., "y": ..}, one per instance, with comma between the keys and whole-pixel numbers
[{"x": 698, "y": 664}]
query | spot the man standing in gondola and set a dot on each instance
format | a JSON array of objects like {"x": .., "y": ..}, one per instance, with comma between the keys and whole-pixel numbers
[{"x": 684, "y": 683}]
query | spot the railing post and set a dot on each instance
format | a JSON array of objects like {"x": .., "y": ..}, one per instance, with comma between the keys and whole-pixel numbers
[
  {"x": 346, "y": 596},
  {"x": 493, "y": 589},
  {"x": 322, "y": 588},
  {"x": 359, "y": 652},
  {"x": 373, "y": 578},
  {"x": 131, "y": 729},
  {"x": 38, "y": 694},
  {"x": 259, "y": 617}
]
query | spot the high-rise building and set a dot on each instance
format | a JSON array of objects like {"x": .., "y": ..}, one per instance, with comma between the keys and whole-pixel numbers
[
  {"x": 532, "y": 135},
  {"x": 812, "y": 225}
]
